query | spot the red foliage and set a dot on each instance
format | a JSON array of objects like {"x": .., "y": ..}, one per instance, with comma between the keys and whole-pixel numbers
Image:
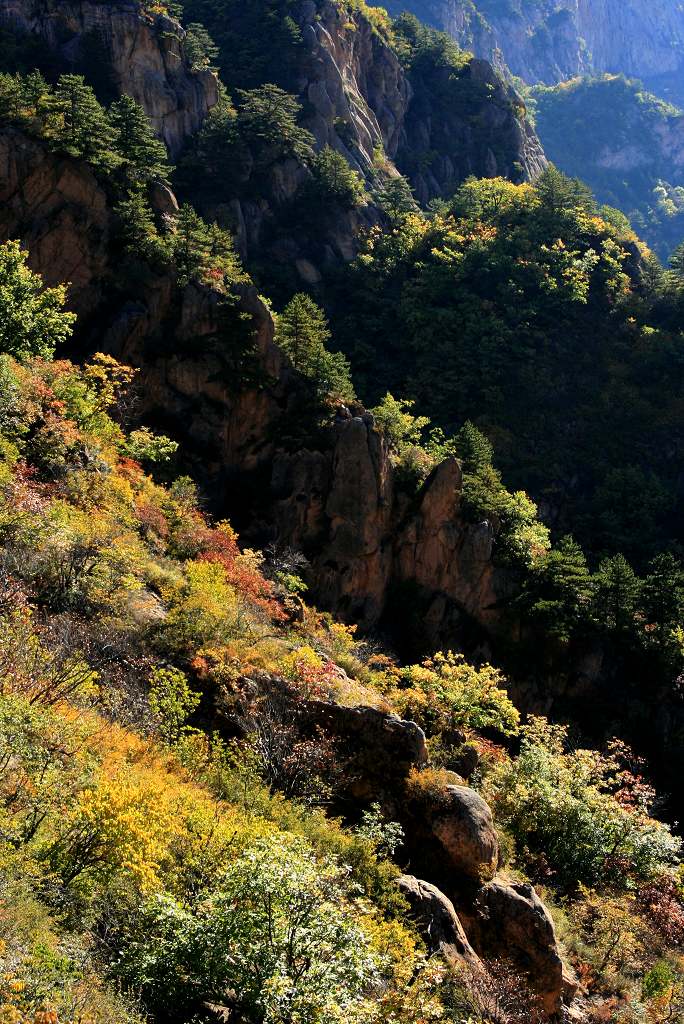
[
  {"x": 220, "y": 545},
  {"x": 152, "y": 520},
  {"x": 662, "y": 904}
]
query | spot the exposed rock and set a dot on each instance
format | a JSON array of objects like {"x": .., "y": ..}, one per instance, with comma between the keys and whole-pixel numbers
[
  {"x": 508, "y": 920},
  {"x": 144, "y": 53},
  {"x": 58, "y": 209},
  {"x": 461, "y": 823},
  {"x": 378, "y": 749},
  {"x": 553, "y": 40},
  {"x": 438, "y": 921}
]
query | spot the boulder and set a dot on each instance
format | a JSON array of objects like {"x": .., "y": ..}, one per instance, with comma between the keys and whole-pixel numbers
[
  {"x": 437, "y": 921},
  {"x": 462, "y": 824},
  {"x": 507, "y": 920}
]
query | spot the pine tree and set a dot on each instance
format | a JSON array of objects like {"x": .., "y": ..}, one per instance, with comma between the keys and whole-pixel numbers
[
  {"x": 74, "y": 121},
  {"x": 138, "y": 230},
  {"x": 473, "y": 448},
  {"x": 302, "y": 331},
  {"x": 334, "y": 181},
  {"x": 395, "y": 199},
  {"x": 267, "y": 119},
  {"x": 616, "y": 590},
  {"x": 200, "y": 49},
  {"x": 677, "y": 260},
  {"x": 560, "y": 589},
  {"x": 191, "y": 244},
  {"x": 143, "y": 155}
]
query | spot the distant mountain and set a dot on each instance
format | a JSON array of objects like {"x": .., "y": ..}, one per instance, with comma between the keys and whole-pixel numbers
[
  {"x": 550, "y": 41},
  {"x": 625, "y": 143}
]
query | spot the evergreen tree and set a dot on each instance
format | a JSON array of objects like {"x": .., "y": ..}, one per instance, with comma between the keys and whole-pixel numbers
[
  {"x": 395, "y": 198},
  {"x": 662, "y": 597},
  {"x": 267, "y": 119},
  {"x": 677, "y": 260},
  {"x": 74, "y": 121},
  {"x": 138, "y": 229},
  {"x": 333, "y": 181},
  {"x": 32, "y": 319},
  {"x": 473, "y": 448},
  {"x": 200, "y": 49},
  {"x": 560, "y": 589},
  {"x": 143, "y": 155},
  {"x": 204, "y": 251},
  {"x": 191, "y": 244},
  {"x": 20, "y": 96},
  {"x": 616, "y": 591},
  {"x": 560, "y": 194},
  {"x": 302, "y": 331}
]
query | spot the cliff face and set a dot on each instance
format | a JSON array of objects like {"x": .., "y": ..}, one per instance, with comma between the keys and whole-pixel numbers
[
  {"x": 358, "y": 98},
  {"x": 552, "y": 41},
  {"x": 143, "y": 53},
  {"x": 336, "y": 498}
]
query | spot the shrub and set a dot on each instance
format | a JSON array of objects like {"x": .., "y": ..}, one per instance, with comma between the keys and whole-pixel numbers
[
  {"x": 571, "y": 807},
  {"x": 276, "y": 940},
  {"x": 445, "y": 693}
]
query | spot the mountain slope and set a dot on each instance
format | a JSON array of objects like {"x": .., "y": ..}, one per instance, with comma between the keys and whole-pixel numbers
[
  {"x": 626, "y": 144},
  {"x": 550, "y": 41}
]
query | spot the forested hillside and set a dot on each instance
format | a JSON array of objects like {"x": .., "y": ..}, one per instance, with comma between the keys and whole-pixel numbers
[
  {"x": 341, "y": 589},
  {"x": 626, "y": 144}
]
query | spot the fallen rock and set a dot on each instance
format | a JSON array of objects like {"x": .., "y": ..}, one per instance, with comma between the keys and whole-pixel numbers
[
  {"x": 437, "y": 921},
  {"x": 507, "y": 920}
]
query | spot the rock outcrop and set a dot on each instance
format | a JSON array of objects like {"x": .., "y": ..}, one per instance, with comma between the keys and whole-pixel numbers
[
  {"x": 508, "y": 920},
  {"x": 378, "y": 749},
  {"x": 56, "y": 206},
  {"x": 438, "y": 922},
  {"x": 142, "y": 52}
]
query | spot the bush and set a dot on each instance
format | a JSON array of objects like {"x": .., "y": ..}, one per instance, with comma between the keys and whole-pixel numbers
[
  {"x": 582, "y": 810},
  {"x": 276, "y": 940},
  {"x": 446, "y": 693}
]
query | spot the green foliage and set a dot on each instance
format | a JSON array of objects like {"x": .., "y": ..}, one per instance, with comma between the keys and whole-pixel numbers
[
  {"x": 446, "y": 693},
  {"x": 74, "y": 121},
  {"x": 143, "y": 155},
  {"x": 200, "y": 49},
  {"x": 579, "y": 810},
  {"x": 473, "y": 449},
  {"x": 401, "y": 428},
  {"x": 302, "y": 331},
  {"x": 146, "y": 447},
  {"x": 616, "y": 590},
  {"x": 395, "y": 198},
  {"x": 172, "y": 701},
  {"x": 204, "y": 251},
  {"x": 267, "y": 121},
  {"x": 138, "y": 231},
  {"x": 257, "y": 40},
  {"x": 559, "y": 589},
  {"x": 32, "y": 318},
  {"x": 333, "y": 181},
  {"x": 581, "y": 120},
  {"x": 521, "y": 309},
  {"x": 275, "y": 932}
]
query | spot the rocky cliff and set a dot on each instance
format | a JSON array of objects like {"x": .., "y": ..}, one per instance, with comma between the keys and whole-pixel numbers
[
  {"x": 358, "y": 98},
  {"x": 143, "y": 55},
  {"x": 551, "y": 41}
]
